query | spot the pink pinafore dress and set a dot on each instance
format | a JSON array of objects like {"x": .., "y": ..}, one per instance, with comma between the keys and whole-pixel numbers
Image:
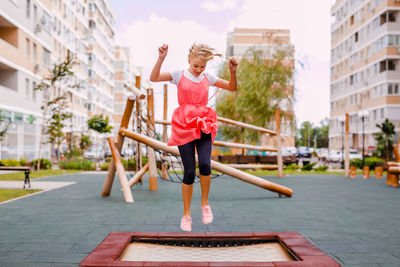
[{"x": 192, "y": 116}]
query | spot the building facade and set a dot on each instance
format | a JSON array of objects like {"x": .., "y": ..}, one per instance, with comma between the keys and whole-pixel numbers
[
  {"x": 35, "y": 34},
  {"x": 240, "y": 41},
  {"x": 365, "y": 70}
]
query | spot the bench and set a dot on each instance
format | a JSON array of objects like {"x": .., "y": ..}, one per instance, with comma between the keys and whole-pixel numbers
[{"x": 25, "y": 169}]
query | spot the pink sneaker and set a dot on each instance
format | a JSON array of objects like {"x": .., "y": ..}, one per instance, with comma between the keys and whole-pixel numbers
[
  {"x": 186, "y": 224},
  {"x": 206, "y": 214}
]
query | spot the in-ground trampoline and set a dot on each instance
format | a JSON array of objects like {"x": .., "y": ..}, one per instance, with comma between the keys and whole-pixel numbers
[{"x": 206, "y": 249}]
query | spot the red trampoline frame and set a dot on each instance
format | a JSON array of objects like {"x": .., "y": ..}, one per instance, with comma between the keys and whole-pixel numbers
[{"x": 110, "y": 249}]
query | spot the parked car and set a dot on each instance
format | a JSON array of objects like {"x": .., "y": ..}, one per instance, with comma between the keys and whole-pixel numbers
[
  {"x": 289, "y": 151},
  {"x": 335, "y": 156},
  {"x": 95, "y": 152},
  {"x": 354, "y": 154},
  {"x": 303, "y": 152},
  {"x": 322, "y": 153}
]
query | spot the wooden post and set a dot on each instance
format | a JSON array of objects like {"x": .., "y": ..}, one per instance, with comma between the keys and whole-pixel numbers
[
  {"x": 150, "y": 151},
  {"x": 346, "y": 148},
  {"x": 279, "y": 142},
  {"x": 121, "y": 171},
  {"x": 138, "y": 175},
  {"x": 120, "y": 141},
  {"x": 164, "y": 170},
  {"x": 138, "y": 157},
  {"x": 138, "y": 129},
  {"x": 215, "y": 165}
]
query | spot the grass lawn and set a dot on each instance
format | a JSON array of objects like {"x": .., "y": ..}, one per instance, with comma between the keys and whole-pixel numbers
[
  {"x": 6, "y": 194},
  {"x": 20, "y": 176}
]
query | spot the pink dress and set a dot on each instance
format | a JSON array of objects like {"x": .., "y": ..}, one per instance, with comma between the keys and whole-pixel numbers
[{"x": 192, "y": 116}]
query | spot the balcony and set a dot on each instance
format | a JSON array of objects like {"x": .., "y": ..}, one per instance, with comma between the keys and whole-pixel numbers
[
  {"x": 8, "y": 77},
  {"x": 8, "y": 32}
]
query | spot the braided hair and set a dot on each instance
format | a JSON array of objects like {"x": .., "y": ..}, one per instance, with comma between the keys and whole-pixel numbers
[{"x": 203, "y": 51}]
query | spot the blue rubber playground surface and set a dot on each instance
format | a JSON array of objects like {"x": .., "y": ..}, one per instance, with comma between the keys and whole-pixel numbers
[{"x": 354, "y": 221}]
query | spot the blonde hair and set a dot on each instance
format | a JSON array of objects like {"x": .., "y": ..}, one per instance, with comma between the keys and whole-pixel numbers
[{"x": 203, "y": 51}]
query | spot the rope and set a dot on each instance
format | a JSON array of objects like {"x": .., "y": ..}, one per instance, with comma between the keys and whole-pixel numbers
[{"x": 167, "y": 158}]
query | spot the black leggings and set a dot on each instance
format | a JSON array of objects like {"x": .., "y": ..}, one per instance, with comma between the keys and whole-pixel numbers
[{"x": 187, "y": 151}]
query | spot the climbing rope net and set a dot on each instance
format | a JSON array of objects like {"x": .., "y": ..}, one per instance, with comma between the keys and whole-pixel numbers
[{"x": 173, "y": 163}]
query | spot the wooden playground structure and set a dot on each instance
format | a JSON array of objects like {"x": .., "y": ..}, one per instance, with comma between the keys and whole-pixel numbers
[{"x": 153, "y": 144}]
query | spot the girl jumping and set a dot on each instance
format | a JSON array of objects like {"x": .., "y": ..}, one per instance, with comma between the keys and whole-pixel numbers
[{"x": 194, "y": 124}]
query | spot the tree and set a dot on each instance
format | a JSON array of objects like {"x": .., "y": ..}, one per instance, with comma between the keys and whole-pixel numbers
[
  {"x": 263, "y": 82},
  {"x": 99, "y": 124},
  {"x": 311, "y": 136},
  {"x": 85, "y": 142},
  {"x": 4, "y": 124},
  {"x": 54, "y": 103},
  {"x": 384, "y": 139}
]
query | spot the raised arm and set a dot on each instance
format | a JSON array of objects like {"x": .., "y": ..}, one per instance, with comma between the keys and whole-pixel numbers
[
  {"x": 155, "y": 75},
  {"x": 232, "y": 83}
]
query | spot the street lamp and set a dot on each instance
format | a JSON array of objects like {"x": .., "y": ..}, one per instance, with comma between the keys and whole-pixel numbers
[
  {"x": 342, "y": 119},
  {"x": 362, "y": 115}
]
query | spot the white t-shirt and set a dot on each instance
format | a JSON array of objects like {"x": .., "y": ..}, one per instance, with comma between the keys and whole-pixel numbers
[{"x": 177, "y": 74}]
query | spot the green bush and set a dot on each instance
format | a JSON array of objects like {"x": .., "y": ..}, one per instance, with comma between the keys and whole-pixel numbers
[
  {"x": 75, "y": 153},
  {"x": 44, "y": 164},
  {"x": 104, "y": 166},
  {"x": 307, "y": 167},
  {"x": 321, "y": 169},
  {"x": 108, "y": 160},
  {"x": 77, "y": 164},
  {"x": 9, "y": 162},
  {"x": 356, "y": 162},
  {"x": 23, "y": 161},
  {"x": 373, "y": 162},
  {"x": 292, "y": 167},
  {"x": 131, "y": 164}
]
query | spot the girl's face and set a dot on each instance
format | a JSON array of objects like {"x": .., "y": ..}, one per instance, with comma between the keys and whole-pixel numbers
[{"x": 197, "y": 65}]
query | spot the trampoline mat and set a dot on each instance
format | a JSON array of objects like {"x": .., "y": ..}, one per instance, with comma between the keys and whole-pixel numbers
[{"x": 140, "y": 251}]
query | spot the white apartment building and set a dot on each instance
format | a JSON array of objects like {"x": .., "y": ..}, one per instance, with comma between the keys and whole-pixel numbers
[
  {"x": 35, "y": 34},
  {"x": 267, "y": 40},
  {"x": 365, "y": 69}
]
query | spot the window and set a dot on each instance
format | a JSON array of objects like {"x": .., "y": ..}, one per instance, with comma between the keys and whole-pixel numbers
[
  {"x": 28, "y": 8},
  {"x": 33, "y": 91},
  {"x": 26, "y": 88},
  {"x": 34, "y": 13},
  {"x": 382, "y": 113},
  {"x": 27, "y": 47},
  {"x": 34, "y": 53},
  {"x": 46, "y": 57}
]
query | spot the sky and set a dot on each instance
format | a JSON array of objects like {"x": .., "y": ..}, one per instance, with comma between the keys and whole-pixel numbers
[{"x": 144, "y": 25}]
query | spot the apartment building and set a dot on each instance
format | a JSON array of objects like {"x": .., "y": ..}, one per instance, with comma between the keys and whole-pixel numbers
[
  {"x": 365, "y": 70},
  {"x": 125, "y": 80},
  {"x": 26, "y": 43},
  {"x": 240, "y": 40},
  {"x": 35, "y": 34}
]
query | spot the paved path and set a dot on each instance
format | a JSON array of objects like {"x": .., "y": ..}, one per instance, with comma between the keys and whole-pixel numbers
[
  {"x": 355, "y": 221},
  {"x": 42, "y": 185}
]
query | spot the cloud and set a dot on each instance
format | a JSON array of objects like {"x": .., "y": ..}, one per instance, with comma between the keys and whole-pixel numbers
[
  {"x": 145, "y": 36},
  {"x": 218, "y": 6}
]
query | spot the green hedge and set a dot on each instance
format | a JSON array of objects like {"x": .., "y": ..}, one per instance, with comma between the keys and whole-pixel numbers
[
  {"x": 372, "y": 162},
  {"x": 307, "y": 167},
  {"x": 321, "y": 169},
  {"x": 292, "y": 167},
  {"x": 9, "y": 162},
  {"x": 77, "y": 164},
  {"x": 44, "y": 164}
]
